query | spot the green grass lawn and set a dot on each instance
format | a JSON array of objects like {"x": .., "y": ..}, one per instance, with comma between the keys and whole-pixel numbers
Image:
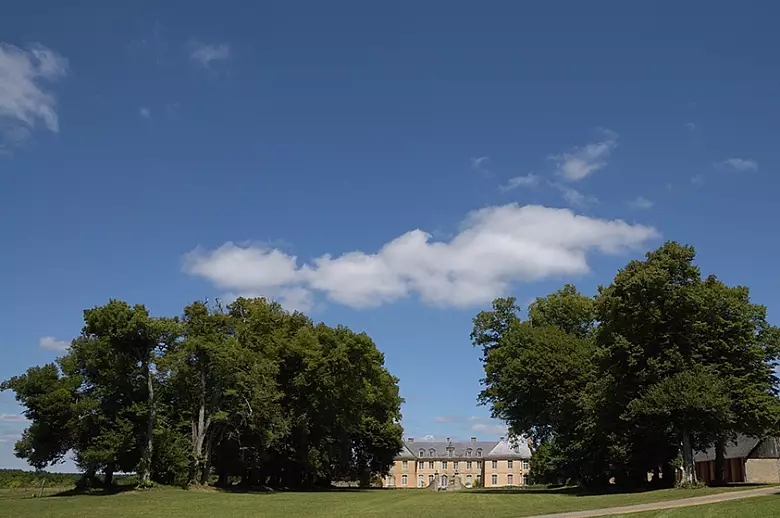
[
  {"x": 758, "y": 507},
  {"x": 327, "y": 504}
]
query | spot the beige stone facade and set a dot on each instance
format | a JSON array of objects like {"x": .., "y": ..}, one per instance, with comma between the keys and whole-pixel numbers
[
  {"x": 489, "y": 464},
  {"x": 748, "y": 459}
]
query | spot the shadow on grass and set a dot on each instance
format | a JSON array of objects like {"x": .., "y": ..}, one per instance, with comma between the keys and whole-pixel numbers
[{"x": 113, "y": 490}]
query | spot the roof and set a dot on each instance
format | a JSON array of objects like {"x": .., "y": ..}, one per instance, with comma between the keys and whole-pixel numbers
[
  {"x": 507, "y": 450},
  {"x": 740, "y": 448},
  {"x": 490, "y": 449}
]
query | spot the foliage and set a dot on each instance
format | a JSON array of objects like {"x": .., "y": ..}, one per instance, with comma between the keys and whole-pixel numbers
[
  {"x": 658, "y": 364},
  {"x": 248, "y": 390}
]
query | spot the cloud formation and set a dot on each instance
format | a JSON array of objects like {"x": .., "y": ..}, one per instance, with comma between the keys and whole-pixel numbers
[
  {"x": 145, "y": 112},
  {"x": 580, "y": 162},
  {"x": 528, "y": 180},
  {"x": 641, "y": 203},
  {"x": 495, "y": 247},
  {"x": 740, "y": 164},
  {"x": 490, "y": 429},
  {"x": 205, "y": 54},
  {"x": 12, "y": 418},
  {"x": 573, "y": 197},
  {"x": 49, "y": 342},
  {"x": 26, "y": 101}
]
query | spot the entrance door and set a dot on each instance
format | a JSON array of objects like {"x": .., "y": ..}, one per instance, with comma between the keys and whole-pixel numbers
[{"x": 443, "y": 482}]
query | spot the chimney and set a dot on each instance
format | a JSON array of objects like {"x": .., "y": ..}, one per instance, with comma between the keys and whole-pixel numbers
[
  {"x": 473, "y": 439},
  {"x": 448, "y": 439},
  {"x": 410, "y": 439}
]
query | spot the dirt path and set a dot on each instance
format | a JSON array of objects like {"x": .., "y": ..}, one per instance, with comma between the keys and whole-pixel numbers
[{"x": 669, "y": 504}]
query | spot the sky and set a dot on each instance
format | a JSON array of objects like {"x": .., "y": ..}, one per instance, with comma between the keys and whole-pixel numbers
[{"x": 389, "y": 166}]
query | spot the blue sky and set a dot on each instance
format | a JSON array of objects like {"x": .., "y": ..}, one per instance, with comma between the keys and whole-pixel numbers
[{"x": 392, "y": 167}]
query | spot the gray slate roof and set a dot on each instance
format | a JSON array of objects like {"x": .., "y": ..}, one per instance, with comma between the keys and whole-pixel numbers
[
  {"x": 734, "y": 450},
  {"x": 490, "y": 449}
]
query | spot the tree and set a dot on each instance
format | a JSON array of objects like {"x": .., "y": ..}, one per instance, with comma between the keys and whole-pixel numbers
[
  {"x": 660, "y": 362},
  {"x": 693, "y": 403},
  {"x": 51, "y": 405},
  {"x": 136, "y": 338}
]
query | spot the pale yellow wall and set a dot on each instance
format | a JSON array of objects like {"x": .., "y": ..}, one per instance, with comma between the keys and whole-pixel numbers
[
  {"x": 765, "y": 471},
  {"x": 481, "y": 469},
  {"x": 502, "y": 472}
]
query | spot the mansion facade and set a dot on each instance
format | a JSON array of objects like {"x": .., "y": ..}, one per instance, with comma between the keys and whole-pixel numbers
[{"x": 450, "y": 465}]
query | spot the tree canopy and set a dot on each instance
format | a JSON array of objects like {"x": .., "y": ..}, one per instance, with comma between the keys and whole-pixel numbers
[
  {"x": 248, "y": 391},
  {"x": 658, "y": 364}
]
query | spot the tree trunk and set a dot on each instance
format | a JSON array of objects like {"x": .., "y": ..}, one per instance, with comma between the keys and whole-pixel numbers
[
  {"x": 109, "y": 475},
  {"x": 720, "y": 460},
  {"x": 689, "y": 469},
  {"x": 144, "y": 473},
  {"x": 223, "y": 478},
  {"x": 199, "y": 426}
]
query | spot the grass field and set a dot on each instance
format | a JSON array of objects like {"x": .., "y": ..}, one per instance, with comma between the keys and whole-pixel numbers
[
  {"x": 409, "y": 503},
  {"x": 758, "y": 507}
]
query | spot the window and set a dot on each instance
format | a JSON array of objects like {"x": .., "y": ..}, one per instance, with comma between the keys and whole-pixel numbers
[
  {"x": 525, "y": 480},
  {"x": 449, "y": 453},
  {"x": 421, "y": 453},
  {"x": 421, "y": 465},
  {"x": 479, "y": 465},
  {"x": 430, "y": 465},
  {"x": 468, "y": 464},
  {"x": 406, "y": 464},
  {"x": 494, "y": 464},
  {"x": 390, "y": 481},
  {"x": 404, "y": 480},
  {"x": 493, "y": 479},
  {"x": 509, "y": 480},
  {"x": 444, "y": 464},
  {"x": 509, "y": 464},
  {"x": 420, "y": 481},
  {"x": 525, "y": 465},
  {"x": 455, "y": 465},
  {"x": 479, "y": 452},
  {"x": 430, "y": 478},
  {"x": 468, "y": 480},
  {"x": 468, "y": 452},
  {"x": 431, "y": 452}
]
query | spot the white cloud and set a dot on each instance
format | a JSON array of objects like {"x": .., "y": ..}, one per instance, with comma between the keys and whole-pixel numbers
[
  {"x": 580, "y": 162},
  {"x": 145, "y": 112},
  {"x": 739, "y": 164},
  {"x": 490, "y": 429},
  {"x": 49, "y": 342},
  {"x": 495, "y": 247},
  {"x": 12, "y": 418},
  {"x": 574, "y": 197},
  {"x": 479, "y": 164},
  {"x": 429, "y": 437},
  {"x": 528, "y": 180},
  {"x": 205, "y": 54},
  {"x": 640, "y": 202},
  {"x": 25, "y": 99},
  {"x": 690, "y": 126},
  {"x": 697, "y": 179}
]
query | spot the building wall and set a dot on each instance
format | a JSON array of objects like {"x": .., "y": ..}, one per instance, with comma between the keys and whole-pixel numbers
[
  {"x": 733, "y": 470},
  {"x": 513, "y": 472},
  {"x": 500, "y": 473},
  {"x": 762, "y": 471}
]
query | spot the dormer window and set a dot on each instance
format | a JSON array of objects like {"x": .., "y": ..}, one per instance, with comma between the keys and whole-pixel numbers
[
  {"x": 479, "y": 452},
  {"x": 432, "y": 452},
  {"x": 449, "y": 452},
  {"x": 468, "y": 452},
  {"x": 421, "y": 453}
]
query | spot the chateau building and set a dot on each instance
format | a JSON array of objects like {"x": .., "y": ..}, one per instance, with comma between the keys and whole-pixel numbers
[{"x": 448, "y": 464}]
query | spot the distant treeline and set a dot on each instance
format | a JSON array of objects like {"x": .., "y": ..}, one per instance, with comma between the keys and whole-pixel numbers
[{"x": 18, "y": 478}]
